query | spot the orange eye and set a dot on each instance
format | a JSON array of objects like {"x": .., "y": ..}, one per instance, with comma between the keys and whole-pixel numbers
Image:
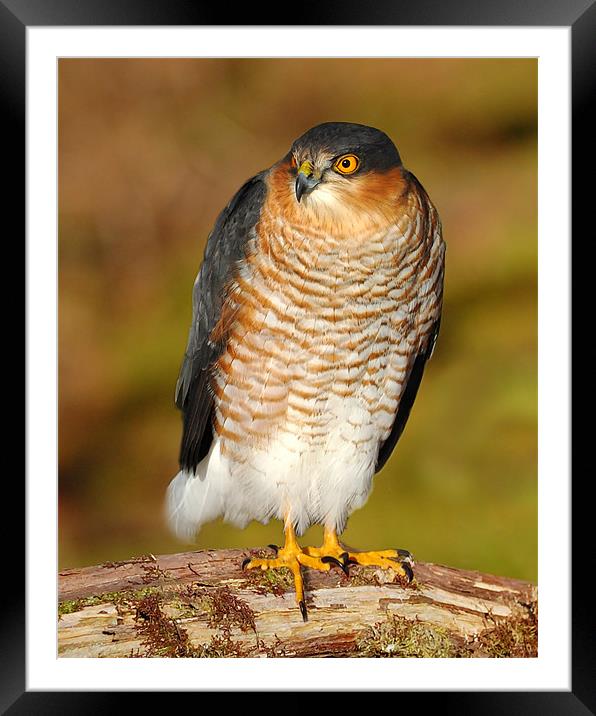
[
  {"x": 347, "y": 164},
  {"x": 294, "y": 162}
]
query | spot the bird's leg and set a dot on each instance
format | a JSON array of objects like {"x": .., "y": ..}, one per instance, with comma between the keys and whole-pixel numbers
[
  {"x": 399, "y": 560},
  {"x": 291, "y": 556},
  {"x": 331, "y": 548}
]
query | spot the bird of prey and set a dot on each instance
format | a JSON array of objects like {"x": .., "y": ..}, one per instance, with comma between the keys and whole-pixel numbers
[{"x": 315, "y": 310}]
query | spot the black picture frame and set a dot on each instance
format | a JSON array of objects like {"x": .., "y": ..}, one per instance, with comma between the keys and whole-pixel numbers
[{"x": 580, "y": 16}]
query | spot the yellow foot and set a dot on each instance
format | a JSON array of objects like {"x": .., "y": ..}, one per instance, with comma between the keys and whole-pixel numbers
[
  {"x": 399, "y": 560},
  {"x": 292, "y": 557}
]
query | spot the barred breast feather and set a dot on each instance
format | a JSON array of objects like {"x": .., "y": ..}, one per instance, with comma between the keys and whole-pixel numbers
[{"x": 312, "y": 325}]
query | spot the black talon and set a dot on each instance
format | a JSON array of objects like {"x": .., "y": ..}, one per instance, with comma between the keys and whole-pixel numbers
[
  {"x": 408, "y": 570},
  {"x": 274, "y": 547},
  {"x": 345, "y": 557},
  {"x": 327, "y": 559},
  {"x": 403, "y": 557},
  {"x": 303, "y": 611},
  {"x": 245, "y": 562}
]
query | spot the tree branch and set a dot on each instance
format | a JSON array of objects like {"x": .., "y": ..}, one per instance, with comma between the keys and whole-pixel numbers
[{"x": 202, "y": 604}]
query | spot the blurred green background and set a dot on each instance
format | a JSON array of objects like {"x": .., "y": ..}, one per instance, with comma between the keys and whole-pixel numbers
[{"x": 149, "y": 153}]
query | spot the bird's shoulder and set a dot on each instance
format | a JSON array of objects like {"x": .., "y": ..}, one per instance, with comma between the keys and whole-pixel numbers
[{"x": 224, "y": 251}]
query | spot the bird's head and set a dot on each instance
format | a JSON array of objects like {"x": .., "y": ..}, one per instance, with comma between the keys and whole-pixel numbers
[{"x": 339, "y": 165}]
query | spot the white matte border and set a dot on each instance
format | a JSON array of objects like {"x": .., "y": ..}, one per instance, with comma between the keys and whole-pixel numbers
[{"x": 551, "y": 670}]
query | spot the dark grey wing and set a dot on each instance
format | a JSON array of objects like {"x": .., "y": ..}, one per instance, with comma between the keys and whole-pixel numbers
[
  {"x": 225, "y": 249},
  {"x": 407, "y": 399}
]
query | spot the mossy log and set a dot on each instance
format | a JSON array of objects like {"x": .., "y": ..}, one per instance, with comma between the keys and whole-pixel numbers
[{"x": 201, "y": 604}]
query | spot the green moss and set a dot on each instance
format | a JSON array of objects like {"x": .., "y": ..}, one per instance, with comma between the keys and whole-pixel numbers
[
  {"x": 265, "y": 581},
  {"x": 162, "y": 636},
  {"x": 400, "y": 637},
  {"x": 118, "y": 598},
  {"x": 517, "y": 638},
  {"x": 184, "y": 610},
  {"x": 271, "y": 581},
  {"x": 69, "y": 606}
]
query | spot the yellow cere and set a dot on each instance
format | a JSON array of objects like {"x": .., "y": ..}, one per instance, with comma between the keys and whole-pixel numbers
[{"x": 306, "y": 168}]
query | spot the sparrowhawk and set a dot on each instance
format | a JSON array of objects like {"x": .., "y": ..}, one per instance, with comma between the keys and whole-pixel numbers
[{"x": 315, "y": 309}]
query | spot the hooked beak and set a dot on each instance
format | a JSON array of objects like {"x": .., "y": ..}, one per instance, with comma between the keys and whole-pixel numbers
[{"x": 305, "y": 180}]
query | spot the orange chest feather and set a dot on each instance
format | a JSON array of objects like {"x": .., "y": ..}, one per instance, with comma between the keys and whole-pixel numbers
[{"x": 315, "y": 315}]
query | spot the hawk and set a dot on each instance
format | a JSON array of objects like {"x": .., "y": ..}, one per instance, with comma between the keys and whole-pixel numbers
[{"x": 315, "y": 310}]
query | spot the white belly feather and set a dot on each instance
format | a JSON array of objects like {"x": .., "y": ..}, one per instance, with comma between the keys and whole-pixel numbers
[{"x": 306, "y": 482}]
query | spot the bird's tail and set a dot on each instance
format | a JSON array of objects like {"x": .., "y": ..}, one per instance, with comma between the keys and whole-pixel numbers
[{"x": 191, "y": 501}]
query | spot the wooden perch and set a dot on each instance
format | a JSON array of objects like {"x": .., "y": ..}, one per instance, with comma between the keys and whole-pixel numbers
[{"x": 201, "y": 604}]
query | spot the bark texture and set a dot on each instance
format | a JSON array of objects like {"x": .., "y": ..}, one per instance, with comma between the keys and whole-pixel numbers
[{"x": 201, "y": 604}]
